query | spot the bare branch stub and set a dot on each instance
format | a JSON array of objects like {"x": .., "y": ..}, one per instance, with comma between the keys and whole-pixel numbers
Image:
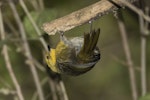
[{"x": 80, "y": 17}]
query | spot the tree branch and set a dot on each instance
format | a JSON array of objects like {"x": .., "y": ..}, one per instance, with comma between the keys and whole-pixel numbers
[
  {"x": 143, "y": 28},
  {"x": 128, "y": 58},
  {"x": 136, "y": 10},
  {"x": 7, "y": 60},
  {"x": 27, "y": 51},
  {"x": 80, "y": 17}
]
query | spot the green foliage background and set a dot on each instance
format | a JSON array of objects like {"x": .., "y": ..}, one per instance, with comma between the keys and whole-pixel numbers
[{"x": 108, "y": 80}]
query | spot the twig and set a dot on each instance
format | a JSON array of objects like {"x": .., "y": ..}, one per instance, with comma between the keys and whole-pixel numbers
[
  {"x": 135, "y": 9},
  {"x": 143, "y": 60},
  {"x": 28, "y": 52},
  {"x": 41, "y": 4},
  {"x": 124, "y": 63},
  {"x": 80, "y": 17},
  {"x": 64, "y": 93},
  {"x": 2, "y": 81},
  {"x": 53, "y": 89},
  {"x": 38, "y": 65},
  {"x": 143, "y": 27},
  {"x": 11, "y": 72},
  {"x": 35, "y": 94},
  {"x": 52, "y": 83},
  {"x": 7, "y": 60},
  {"x": 34, "y": 4},
  {"x": 61, "y": 90},
  {"x": 33, "y": 23},
  {"x": 11, "y": 26},
  {"x": 128, "y": 58},
  {"x": 7, "y": 91}
]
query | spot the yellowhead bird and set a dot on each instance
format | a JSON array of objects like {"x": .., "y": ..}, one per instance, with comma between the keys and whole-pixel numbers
[{"x": 74, "y": 56}]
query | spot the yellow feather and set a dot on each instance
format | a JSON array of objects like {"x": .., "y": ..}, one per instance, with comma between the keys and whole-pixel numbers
[
  {"x": 51, "y": 60},
  {"x": 61, "y": 46}
]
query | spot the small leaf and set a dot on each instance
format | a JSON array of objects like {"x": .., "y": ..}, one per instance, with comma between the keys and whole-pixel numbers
[
  {"x": 39, "y": 18},
  {"x": 28, "y": 25}
]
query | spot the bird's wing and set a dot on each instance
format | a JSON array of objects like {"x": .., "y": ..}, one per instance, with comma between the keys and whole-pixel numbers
[{"x": 90, "y": 41}]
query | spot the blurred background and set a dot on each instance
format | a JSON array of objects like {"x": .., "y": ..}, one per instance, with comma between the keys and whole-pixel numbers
[{"x": 108, "y": 80}]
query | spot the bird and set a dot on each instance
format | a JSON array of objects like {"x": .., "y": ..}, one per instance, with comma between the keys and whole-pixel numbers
[{"x": 74, "y": 56}]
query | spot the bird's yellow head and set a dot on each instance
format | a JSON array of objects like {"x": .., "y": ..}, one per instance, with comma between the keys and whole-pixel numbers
[{"x": 50, "y": 59}]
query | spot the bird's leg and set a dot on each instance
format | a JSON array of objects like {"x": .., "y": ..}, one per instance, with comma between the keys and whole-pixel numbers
[
  {"x": 91, "y": 25},
  {"x": 63, "y": 38},
  {"x": 61, "y": 33}
]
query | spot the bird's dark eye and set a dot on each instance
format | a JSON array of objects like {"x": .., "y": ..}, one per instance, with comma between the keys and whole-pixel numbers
[
  {"x": 49, "y": 48},
  {"x": 47, "y": 57},
  {"x": 97, "y": 55}
]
